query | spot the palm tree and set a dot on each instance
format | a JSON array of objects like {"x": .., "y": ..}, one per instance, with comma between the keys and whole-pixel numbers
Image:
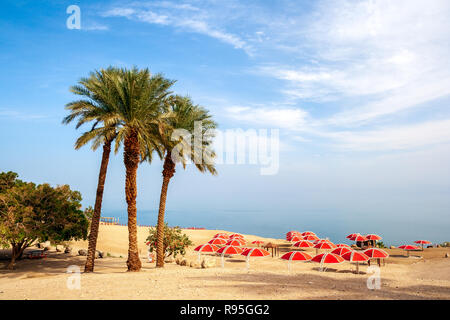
[
  {"x": 96, "y": 106},
  {"x": 139, "y": 101},
  {"x": 182, "y": 116}
]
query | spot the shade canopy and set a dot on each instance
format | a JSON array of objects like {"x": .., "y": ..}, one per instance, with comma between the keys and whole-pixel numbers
[
  {"x": 409, "y": 247},
  {"x": 422, "y": 242},
  {"x": 217, "y": 241},
  {"x": 325, "y": 245},
  {"x": 310, "y": 237},
  {"x": 308, "y": 233},
  {"x": 341, "y": 250},
  {"x": 235, "y": 242},
  {"x": 255, "y": 252},
  {"x": 230, "y": 250},
  {"x": 376, "y": 253},
  {"x": 296, "y": 256},
  {"x": 373, "y": 237},
  {"x": 339, "y": 245},
  {"x": 355, "y": 256},
  {"x": 295, "y": 238},
  {"x": 327, "y": 258},
  {"x": 303, "y": 244},
  {"x": 207, "y": 247}
]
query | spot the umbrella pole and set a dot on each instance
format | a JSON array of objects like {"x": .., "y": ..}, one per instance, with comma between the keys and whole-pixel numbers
[
  {"x": 223, "y": 260},
  {"x": 248, "y": 262},
  {"x": 199, "y": 257},
  {"x": 357, "y": 267}
]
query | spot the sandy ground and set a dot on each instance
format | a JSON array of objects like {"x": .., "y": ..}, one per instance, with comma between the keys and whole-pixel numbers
[{"x": 424, "y": 275}]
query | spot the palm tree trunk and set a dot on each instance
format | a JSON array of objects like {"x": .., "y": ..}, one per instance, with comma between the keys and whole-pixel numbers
[
  {"x": 93, "y": 235},
  {"x": 168, "y": 172},
  {"x": 131, "y": 160}
]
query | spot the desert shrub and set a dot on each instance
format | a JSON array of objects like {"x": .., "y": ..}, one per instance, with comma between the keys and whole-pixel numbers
[{"x": 175, "y": 242}]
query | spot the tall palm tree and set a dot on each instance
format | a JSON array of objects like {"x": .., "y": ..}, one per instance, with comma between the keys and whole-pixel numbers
[
  {"x": 139, "y": 101},
  {"x": 97, "y": 106},
  {"x": 182, "y": 115}
]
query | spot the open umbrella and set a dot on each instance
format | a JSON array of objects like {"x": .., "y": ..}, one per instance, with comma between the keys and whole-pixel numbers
[
  {"x": 236, "y": 235},
  {"x": 324, "y": 245},
  {"x": 374, "y": 238},
  {"x": 292, "y": 233},
  {"x": 295, "y": 238},
  {"x": 310, "y": 237},
  {"x": 327, "y": 258},
  {"x": 207, "y": 247},
  {"x": 235, "y": 242},
  {"x": 340, "y": 245},
  {"x": 422, "y": 242},
  {"x": 295, "y": 256},
  {"x": 341, "y": 250},
  {"x": 355, "y": 256},
  {"x": 258, "y": 242},
  {"x": 254, "y": 252},
  {"x": 230, "y": 250},
  {"x": 303, "y": 244},
  {"x": 217, "y": 241},
  {"x": 352, "y": 235},
  {"x": 308, "y": 233},
  {"x": 221, "y": 236},
  {"x": 358, "y": 238},
  {"x": 375, "y": 253},
  {"x": 409, "y": 248}
]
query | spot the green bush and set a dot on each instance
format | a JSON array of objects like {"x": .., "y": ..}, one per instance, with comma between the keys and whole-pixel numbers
[{"x": 175, "y": 242}]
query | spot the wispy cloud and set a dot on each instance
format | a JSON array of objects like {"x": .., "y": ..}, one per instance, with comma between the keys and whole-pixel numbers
[
  {"x": 20, "y": 115},
  {"x": 185, "y": 17}
]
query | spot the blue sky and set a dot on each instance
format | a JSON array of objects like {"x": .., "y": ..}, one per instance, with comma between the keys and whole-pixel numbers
[{"x": 358, "y": 89}]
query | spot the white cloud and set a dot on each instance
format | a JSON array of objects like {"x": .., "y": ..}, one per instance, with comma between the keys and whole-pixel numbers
[
  {"x": 285, "y": 118},
  {"x": 184, "y": 17},
  {"x": 393, "y": 138}
]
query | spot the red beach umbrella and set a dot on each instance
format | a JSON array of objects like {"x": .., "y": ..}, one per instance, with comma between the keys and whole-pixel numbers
[
  {"x": 327, "y": 258},
  {"x": 308, "y": 233},
  {"x": 375, "y": 253},
  {"x": 254, "y": 252},
  {"x": 236, "y": 235},
  {"x": 359, "y": 238},
  {"x": 207, "y": 247},
  {"x": 295, "y": 238},
  {"x": 292, "y": 233},
  {"x": 217, "y": 241},
  {"x": 221, "y": 235},
  {"x": 341, "y": 250},
  {"x": 235, "y": 242},
  {"x": 342, "y": 245},
  {"x": 422, "y": 242},
  {"x": 258, "y": 242},
  {"x": 230, "y": 250},
  {"x": 409, "y": 248},
  {"x": 324, "y": 245},
  {"x": 310, "y": 237},
  {"x": 355, "y": 256},
  {"x": 303, "y": 244},
  {"x": 352, "y": 235},
  {"x": 295, "y": 256},
  {"x": 373, "y": 237}
]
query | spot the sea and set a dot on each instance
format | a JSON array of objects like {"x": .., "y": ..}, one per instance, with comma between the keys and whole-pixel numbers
[{"x": 273, "y": 224}]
